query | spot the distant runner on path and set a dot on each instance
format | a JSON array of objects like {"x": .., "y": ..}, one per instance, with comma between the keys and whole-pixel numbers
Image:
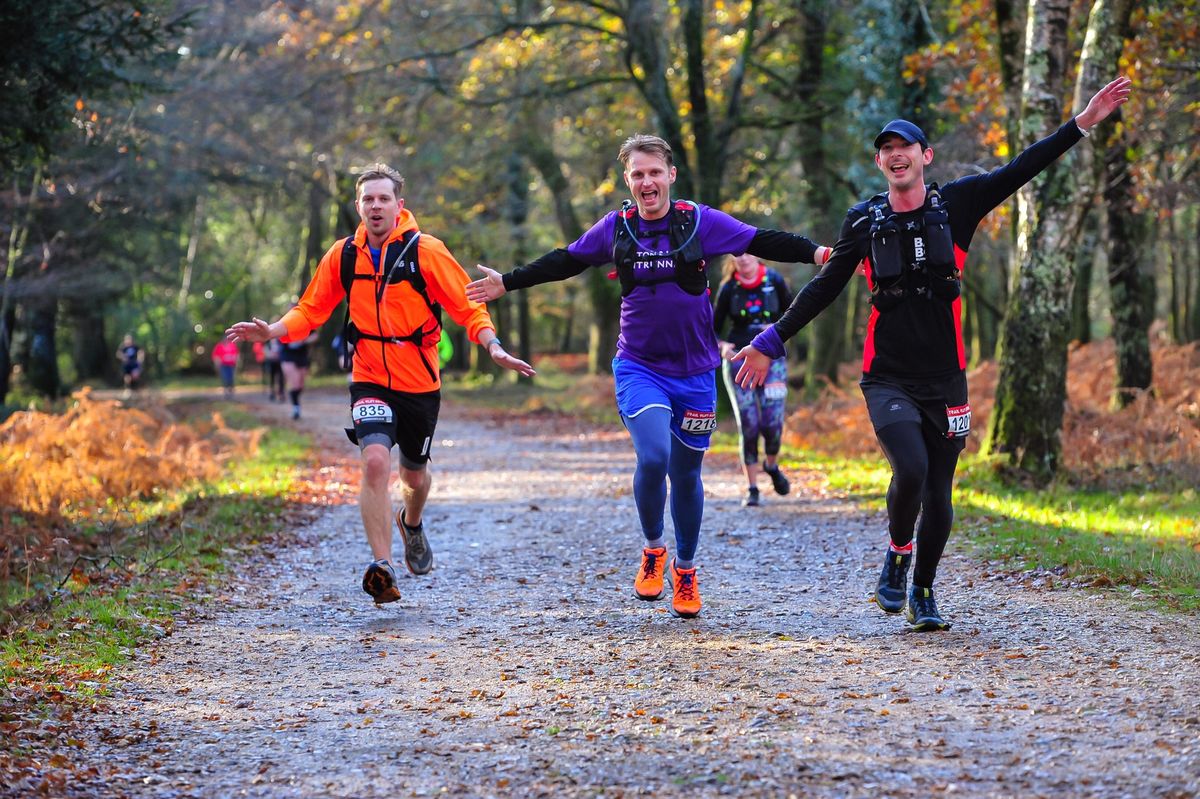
[
  {"x": 915, "y": 238},
  {"x": 750, "y": 297},
  {"x": 667, "y": 350},
  {"x": 397, "y": 279}
]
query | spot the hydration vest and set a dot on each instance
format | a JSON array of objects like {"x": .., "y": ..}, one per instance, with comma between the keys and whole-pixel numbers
[
  {"x": 742, "y": 307},
  {"x": 395, "y": 270},
  {"x": 894, "y": 278},
  {"x": 686, "y": 250}
]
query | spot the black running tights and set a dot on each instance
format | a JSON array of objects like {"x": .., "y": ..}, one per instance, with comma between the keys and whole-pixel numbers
[{"x": 923, "y": 465}]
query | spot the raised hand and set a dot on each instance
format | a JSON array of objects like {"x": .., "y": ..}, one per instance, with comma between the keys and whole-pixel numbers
[
  {"x": 1104, "y": 102},
  {"x": 754, "y": 367},
  {"x": 254, "y": 330},
  {"x": 487, "y": 288}
]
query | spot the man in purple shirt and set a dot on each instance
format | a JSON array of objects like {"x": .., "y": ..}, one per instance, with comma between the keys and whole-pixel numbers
[{"x": 667, "y": 349}]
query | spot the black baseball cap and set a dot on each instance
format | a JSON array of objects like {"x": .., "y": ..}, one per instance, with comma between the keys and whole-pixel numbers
[{"x": 905, "y": 130}]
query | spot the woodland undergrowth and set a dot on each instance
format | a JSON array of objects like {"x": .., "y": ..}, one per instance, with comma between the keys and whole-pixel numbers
[
  {"x": 65, "y": 476},
  {"x": 1154, "y": 439}
]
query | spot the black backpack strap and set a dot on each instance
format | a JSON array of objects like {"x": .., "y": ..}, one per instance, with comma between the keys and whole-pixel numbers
[{"x": 350, "y": 333}]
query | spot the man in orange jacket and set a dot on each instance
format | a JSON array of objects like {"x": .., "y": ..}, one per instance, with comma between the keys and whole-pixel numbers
[{"x": 396, "y": 278}]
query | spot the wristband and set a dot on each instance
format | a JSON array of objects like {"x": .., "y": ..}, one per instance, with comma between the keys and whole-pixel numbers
[
  {"x": 1085, "y": 131},
  {"x": 769, "y": 343},
  {"x": 495, "y": 340}
]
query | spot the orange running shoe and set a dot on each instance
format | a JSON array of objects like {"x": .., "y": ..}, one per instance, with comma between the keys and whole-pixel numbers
[
  {"x": 648, "y": 584},
  {"x": 686, "y": 601}
]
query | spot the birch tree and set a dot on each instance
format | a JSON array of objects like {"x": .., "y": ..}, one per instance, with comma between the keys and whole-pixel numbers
[{"x": 1026, "y": 424}]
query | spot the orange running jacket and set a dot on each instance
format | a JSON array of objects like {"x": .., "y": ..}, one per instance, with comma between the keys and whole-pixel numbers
[{"x": 402, "y": 310}]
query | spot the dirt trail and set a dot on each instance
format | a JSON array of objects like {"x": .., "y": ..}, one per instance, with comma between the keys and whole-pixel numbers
[{"x": 522, "y": 666}]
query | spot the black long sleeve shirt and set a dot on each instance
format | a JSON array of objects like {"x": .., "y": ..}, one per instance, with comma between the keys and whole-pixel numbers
[{"x": 920, "y": 339}]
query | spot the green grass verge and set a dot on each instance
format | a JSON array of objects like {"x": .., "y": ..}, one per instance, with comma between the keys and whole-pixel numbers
[
  {"x": 99, "y": 616},
  {"x": 1148, "y": 539}
]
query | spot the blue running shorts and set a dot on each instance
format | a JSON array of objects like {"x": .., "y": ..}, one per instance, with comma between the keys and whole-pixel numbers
[{"x": 692, "y": 401}]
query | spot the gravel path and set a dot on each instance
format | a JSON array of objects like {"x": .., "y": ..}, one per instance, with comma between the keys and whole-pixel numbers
[{"x": 522, "y": 666}]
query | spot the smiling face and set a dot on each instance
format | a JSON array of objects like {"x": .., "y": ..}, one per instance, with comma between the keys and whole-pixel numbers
[
  {"x": 378, "y": 207},
  {"x": 649, "y": 179},
  {"x": 902, "y": 163}
]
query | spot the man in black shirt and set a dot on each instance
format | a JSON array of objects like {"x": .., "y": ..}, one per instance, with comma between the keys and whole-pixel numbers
[{"x": 913, "y": 240}]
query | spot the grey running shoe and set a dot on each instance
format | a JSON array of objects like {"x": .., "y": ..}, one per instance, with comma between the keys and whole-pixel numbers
[
  {"x": 922, "y": 611},
  {"x": 893, "y": 581},
  {"x": 752, "y": 499},
  {"x": 380, "y": 582},
  {"x": 418, "y": 557}
]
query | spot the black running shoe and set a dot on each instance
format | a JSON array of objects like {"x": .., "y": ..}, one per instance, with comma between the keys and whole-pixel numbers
[
  {"x": 752, "y": 499},
  {"x": 418, "y": 557},
  {"x": 380, "y": 582},
  {"x": 922, "y": 611},
  {"x": 893, "y": 580},
  {"x": 778, "y": 481}
]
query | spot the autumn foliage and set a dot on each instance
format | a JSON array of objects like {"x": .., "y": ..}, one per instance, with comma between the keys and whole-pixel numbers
[
  {"x": 1157, "y": 434},
  {"x": 59, "y": 470}
]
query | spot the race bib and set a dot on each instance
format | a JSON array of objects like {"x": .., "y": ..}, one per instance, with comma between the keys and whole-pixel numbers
[
  {"x": 959, "y": 419},
  {"x": 371, "y": 410},
  {"x": 775, "y": 391},
  {"x": 699, "y": 421}
]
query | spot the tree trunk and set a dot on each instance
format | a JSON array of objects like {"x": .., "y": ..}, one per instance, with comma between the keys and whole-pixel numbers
[
  {"x": 1010, "y": 30},
  {"x": 193, "y": 247},
  {"x": 1010, "y": 36},
  {"x": 314, "y": 240},
  {"x": 1026, "y": 424},
  {"x": 518, "y": 213},
  {"x": 604, "y": 294},
  {"x": 8, "y": 321},
  {"x": 17, "y": 237},
  {"x": 1130, "y": 271},
  {"x": 90, "y": 350},
  {"x": 647, "y": 62},
  {"x": 1193, "y": 314},
  {"x": 1130, "y": 279},
  {"x": 41, "y": 358},
  {"x": 829, "y": 332},
  {"x": 1081, "y": 316}
]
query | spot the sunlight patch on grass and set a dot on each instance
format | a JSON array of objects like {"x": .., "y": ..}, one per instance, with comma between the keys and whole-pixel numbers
[{"x": 1149, "y": 540}]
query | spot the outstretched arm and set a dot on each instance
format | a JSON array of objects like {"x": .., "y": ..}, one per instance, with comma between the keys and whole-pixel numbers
[{"x": 778, "y": 245}]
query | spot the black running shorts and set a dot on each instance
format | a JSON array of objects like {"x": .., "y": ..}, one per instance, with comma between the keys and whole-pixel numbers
[
  {"x": 382, "y": 416},
  {"x": 939, "y": 405}
]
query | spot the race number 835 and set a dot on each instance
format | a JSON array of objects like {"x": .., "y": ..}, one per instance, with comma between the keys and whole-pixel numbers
[{"x": 371, "y": 410}]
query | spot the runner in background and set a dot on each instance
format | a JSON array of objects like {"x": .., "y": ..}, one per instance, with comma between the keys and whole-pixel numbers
[
  {"x": 225, "y": 358},
  {"x": 132, "y": 358},
  {"x": 750, "y": 297}
]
